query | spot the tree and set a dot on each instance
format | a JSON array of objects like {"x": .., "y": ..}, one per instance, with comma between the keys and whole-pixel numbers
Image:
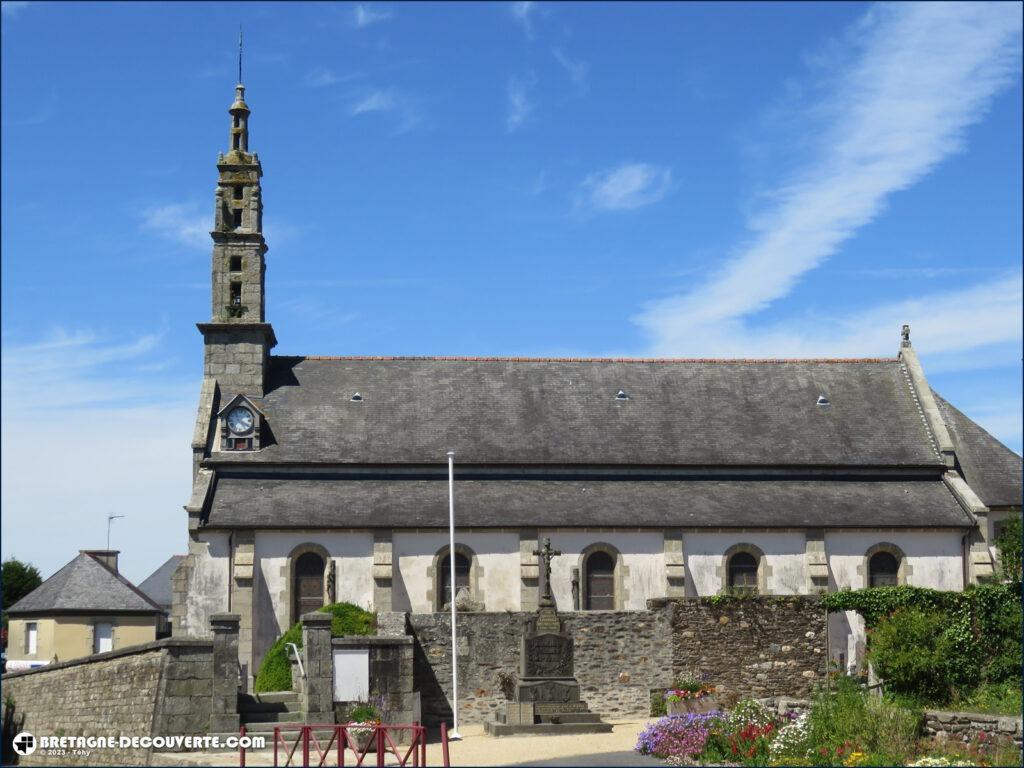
[
  {"x": 18, "y": 579},
  {"x": 1008, "y": 542}
]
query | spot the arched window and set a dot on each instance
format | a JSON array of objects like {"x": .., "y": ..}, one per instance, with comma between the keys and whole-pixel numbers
[
  {"x": 743, "y": 572},
  {"x": 883, "y": 570},
  {"x": 462, "y": 566},
  {"x": 309, "y": 584},
  {"x": 599, "y": 594}
]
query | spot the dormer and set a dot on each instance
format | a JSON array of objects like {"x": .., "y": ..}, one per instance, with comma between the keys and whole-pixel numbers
[{"x": 240, "y": 423}]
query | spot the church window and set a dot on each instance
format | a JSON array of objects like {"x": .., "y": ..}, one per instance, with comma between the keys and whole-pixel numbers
[
  {"x": 237, "y": 192},
  {"x": 743, "y": 572},
  {"x": 237, "y": 214},
  {"x": 462, "y": 566},
  {"x": 236, "y": 140},
  {"x": 236, "y": 293},
  {"x": 236, "y": 264},
  {"x": 237, "y": 121},
  {"x": 308, "y": 587},
  {"x": 599, "y": 594},
  {"x": 883, "y": 570}
]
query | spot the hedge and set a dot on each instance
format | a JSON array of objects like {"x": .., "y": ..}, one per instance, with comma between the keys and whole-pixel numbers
[
  {"x": 980, "y": 641},
  {"x": 276, "y": 670}
]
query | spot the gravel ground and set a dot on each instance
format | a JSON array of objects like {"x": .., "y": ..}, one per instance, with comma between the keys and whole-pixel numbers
[{"x": 477, "y": 748}]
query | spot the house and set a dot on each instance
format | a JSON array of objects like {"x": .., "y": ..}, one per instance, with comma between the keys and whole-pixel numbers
[{"x": 84, "y": 608}]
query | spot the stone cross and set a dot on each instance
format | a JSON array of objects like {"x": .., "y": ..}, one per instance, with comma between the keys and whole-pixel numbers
[{"x": 545, "y": 555}]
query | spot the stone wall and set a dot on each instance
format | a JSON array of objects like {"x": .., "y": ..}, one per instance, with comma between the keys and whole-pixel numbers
[
  {"x": 965, "y": 726},
  {"x": 759, "y": 647},
  {"x": 169, "y": 687},
  {"x": 156, "y": 689}
]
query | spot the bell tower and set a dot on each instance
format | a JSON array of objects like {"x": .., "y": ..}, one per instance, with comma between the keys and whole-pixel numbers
[{"x": 238, "y": 339}]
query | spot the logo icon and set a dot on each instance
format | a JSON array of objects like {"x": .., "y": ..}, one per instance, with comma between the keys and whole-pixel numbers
[{"x": 24, "y": 743}]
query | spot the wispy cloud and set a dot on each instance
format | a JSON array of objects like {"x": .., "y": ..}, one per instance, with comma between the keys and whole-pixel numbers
[
  {"x": 98, "y": 397},
  {"x": 377, "y": 101},
  {"x": 321, "y": 77},
  {"x": 523, "y": 12},
  {"x": 44, "y": 113},
  {"x": 625, "y": 187},
  {"x": 921, "y": 73},
  {"x": 75, "y": 370},
  {"x": 183, "y": 223},
  {"x": 577, "y": 69},
  {"x": 364, "y": 15},
  {"x": 318, "y": 312},
  {"x": 11, "y": 8},
  {"x": 403, "y": 108},
  {"x": 519, "y": 104}
]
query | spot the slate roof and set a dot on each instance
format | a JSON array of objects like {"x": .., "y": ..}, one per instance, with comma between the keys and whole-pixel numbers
[
  {"x": 515, "y": 411},
  {"x": 85, "y": 585},
  {"x": 991, "y": 469},
  {"x": 343, "y": 503},
  {"x": 157, "y": 586}
]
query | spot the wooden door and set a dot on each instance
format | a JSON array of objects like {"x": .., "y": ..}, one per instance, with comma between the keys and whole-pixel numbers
[
  {"x": 309, "y": 584},
  {"x": 600, "y": 582}
]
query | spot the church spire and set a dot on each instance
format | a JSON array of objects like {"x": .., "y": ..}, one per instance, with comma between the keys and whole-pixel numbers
[
  {"x": 239, "y": 110},
  {"x": 238, "y": 338}
]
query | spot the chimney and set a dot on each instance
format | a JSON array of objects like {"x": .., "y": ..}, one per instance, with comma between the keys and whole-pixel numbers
[{"x": 106, "y": 556}]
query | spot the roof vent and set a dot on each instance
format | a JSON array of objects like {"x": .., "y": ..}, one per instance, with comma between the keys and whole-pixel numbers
[
  {"x": 620, "y": 395},
  {"x": 357, "y": 398},
  {"x": 823, "y": 401}
]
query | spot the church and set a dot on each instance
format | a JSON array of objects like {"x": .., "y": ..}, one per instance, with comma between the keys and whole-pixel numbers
[{"x": 322, "y": 479}]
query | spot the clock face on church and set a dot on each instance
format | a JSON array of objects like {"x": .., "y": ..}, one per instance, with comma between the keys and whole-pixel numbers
[{"x": 240, "y": 420}]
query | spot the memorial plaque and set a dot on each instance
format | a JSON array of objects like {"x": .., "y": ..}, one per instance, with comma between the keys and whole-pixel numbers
[
  {"x": 561, "y": 708},
  {"x": 547, "y": 621},
  {"x": 549, "y": 691},
  {"x": 547, "y": 655}
]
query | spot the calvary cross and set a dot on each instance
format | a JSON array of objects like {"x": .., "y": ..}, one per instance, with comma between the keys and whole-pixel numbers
[{"x": 545, "y": 554}]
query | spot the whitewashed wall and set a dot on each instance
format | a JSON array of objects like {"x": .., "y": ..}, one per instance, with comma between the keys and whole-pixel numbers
[
  {"x": 783, "y": 551},
  {"x": 935, "y": 559},
  {"x": 208, "y": 585},
  {"x": 352, "y": 552},
  {"x": 643, "y": 553},
  {"x": 497, "y": 553}
]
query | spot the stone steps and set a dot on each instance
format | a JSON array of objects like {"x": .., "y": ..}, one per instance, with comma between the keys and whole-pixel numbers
[
  {"x": 571, "y": 717},
  {"x": 250, "y": 718}
]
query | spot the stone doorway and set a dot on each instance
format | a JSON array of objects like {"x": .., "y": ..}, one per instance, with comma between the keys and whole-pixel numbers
[{"x": 309, "y": 584}]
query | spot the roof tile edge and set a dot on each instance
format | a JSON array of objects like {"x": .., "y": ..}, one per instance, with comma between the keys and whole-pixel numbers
[{"x": 666, "y": 360}]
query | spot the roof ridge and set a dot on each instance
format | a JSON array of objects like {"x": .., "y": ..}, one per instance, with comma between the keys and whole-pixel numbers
[
  {"x": 125, "y": 581},
  {"x": 724, "y": 360}
]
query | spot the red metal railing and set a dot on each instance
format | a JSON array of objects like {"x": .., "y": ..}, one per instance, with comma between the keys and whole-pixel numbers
[{"x": 350, "y": 739}]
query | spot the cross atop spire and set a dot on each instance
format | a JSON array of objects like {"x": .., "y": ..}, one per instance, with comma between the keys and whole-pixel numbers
[{"x": 239, "y": 54}]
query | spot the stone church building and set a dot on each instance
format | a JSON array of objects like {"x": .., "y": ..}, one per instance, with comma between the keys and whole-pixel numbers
[{"x": 321, "y": 479}]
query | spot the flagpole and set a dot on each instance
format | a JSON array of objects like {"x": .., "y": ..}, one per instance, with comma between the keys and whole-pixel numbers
[{"x": 453, "y": 734}]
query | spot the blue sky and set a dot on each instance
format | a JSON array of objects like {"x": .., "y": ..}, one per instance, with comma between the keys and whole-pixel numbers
[{"x": 690, "y": 180}]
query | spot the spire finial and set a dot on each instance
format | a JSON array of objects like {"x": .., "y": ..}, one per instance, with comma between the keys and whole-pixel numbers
[
  {"x": 905, "y": 336},
  {"x": 239, "y": 54}
]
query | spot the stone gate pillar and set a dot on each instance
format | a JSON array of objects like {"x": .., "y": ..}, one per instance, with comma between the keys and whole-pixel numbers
[
  {"x": 224, "y": 702},
  {"x": 317, "y": 692}
]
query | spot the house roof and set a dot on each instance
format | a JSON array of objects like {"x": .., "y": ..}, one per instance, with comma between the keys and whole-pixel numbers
[
  {"x": 274, "y": 502},
  {"x": 157, "y": 586},
  {"x": 991, "y": 469},
  {"x": 561, "y": 411},
  {"x": 85, "y": 585}
]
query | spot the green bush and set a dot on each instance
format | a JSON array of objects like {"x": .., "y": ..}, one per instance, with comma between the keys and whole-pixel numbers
[
  {"x": 275, "y": 672},
  {"x": 979, "y": 639},
  {"x": 1009, "y": 545},
  {"x": 911, "y": 650},
  {"x": 848, "y": 719}
]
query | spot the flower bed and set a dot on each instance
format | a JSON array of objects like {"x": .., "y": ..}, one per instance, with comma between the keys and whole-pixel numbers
[{"x": 845, "y": 726}]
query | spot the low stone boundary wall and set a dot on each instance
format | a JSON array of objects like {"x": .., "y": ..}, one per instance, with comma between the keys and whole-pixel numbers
[
  {"x": 764, "y": 647},
  {"x": 169, "y": 687},
  {"x": 965, "y": 726}
]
